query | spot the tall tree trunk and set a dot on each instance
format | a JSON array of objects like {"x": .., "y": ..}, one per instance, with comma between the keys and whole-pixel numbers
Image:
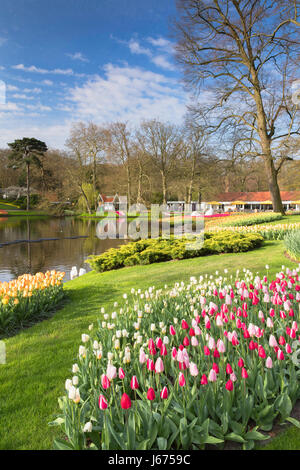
[
  {"x": 139, "y": 199},
  {"x": 164, "y": 187},
  {"x": 190, "y": 188},
  {"x": 128, "y": 183},
  {"x": 28, "y": 185},
  {"x": 94, "y": 182},
  {"x": 86, "y": 200},
  {"x": 265, "y": 142}
]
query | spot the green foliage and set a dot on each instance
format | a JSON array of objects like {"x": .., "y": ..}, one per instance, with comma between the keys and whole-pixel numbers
[
  {"x": 253, "y": 219},
  {"x": 157, "y": 250},
  {"x": 292, "y": 243}
]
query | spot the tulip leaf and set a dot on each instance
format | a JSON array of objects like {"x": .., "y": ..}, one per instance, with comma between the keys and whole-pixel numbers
[
  {"x": 293, "y": 421},
  {"x": 59, "y": 444},
  {"x": 162, "y": 443},
  {"x": 234, "y": 437}
]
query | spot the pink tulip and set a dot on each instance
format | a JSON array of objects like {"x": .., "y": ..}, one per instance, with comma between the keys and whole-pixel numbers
[
  {"x": 142, "y": 357},
  {"x": 193, "y": 369},
  {"x": 159, "y": 366},
  {"x": 121, "y": 373},
  {"x": 111, "y": 372},
  {"x": 212, "y": 377},
  {"x": 269, "y": 363}
]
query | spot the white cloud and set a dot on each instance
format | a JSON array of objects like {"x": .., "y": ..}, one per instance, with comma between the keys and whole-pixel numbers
[
  {"x": 34, "y": 69},
  {"x": 129, "y": 93},
  {"x": 32, "y": 90},
  {"x": 11, "y": 88},
  {"x": 162, "y": 43},
  {"x": 47, "y": 82},
  {"x": 78, "y": 56},
  {"x": 22, "y": 96},
  {"x": 158, "y": 58},
  {"x": 162, "y": 61},
  {"x": 136, "y": 48}
]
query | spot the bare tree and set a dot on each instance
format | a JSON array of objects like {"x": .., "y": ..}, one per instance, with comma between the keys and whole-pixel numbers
[
  {"x": 244, "y": 52},
  {"x": 120, "y": 148},
  {"x": 162, "y": 143}
]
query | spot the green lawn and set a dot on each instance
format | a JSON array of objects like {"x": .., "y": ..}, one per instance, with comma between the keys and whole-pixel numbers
[
  {"x": 39, "y": 359},
  {"x": 287, "y": 219}
]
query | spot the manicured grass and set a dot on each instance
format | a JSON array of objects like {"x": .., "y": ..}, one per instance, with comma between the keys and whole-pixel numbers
[
  {"x": 39, "y": 359},
  {"x": 287, "y": 219}
]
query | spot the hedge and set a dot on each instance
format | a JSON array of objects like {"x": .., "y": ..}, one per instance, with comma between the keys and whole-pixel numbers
[{"x": 157, "y": 250}]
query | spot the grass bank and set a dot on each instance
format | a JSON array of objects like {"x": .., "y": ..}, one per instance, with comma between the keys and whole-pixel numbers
[{"x": 40, "y": 358}]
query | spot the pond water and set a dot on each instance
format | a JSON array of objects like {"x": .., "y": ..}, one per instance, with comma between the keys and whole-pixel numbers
[{"x": 23, "y": 248}]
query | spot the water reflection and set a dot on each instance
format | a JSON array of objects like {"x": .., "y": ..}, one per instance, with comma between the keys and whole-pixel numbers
[{"x": 60, "y": 253}]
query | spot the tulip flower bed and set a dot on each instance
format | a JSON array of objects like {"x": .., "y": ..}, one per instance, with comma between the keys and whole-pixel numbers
[
  {"x": 28, "y": 298},
  {"x": 244, "y": 219},
  {"x": 202, "y": 363},
  {"x": 269, "y": 232}
]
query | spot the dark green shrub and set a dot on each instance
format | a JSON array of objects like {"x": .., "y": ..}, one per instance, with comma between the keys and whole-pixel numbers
[{"x": 158, "y": 250}]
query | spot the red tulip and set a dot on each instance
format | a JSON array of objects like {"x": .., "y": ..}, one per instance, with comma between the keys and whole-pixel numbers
[
  {"x": 105, "y": 382},
  {"x": 172, "y": 331},
  {"x": 164, "y": 393},
  {"x": 150, "y": 364},
  {"x": 186, "y": 341},
  {"x": 125, "y": 402},
  {"x": 229, "y": 369},
  {"x": 184, "y": 325},
  {"x": 102, "y": 402},
  {"x": 181, "y": 380},
  {"x": 241, "y": 362},
  {"x": 151, "y": 394},
  {"x": 244, "y": 373},
  {"x": 134, "y": 383},
  {"x": 204, "y": 380},
  {"x": 229, "y": 385}
]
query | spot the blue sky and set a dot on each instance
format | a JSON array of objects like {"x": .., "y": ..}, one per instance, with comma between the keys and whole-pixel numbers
[{"x": 85, "y": 60}]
